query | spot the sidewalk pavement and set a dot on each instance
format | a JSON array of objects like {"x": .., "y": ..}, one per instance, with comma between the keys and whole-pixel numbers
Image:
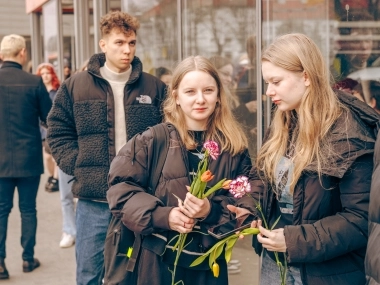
[{"x": 58, "y": 265}]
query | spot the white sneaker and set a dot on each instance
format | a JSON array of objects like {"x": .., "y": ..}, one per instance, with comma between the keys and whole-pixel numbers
[{"x": 67, "y": 240}]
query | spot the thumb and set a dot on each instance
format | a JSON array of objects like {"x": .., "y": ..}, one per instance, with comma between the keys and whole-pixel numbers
[
  {"x": 232, "y": 208},
  {"x": 264, "y": 231},
  {"x": 188, "y": 188}
]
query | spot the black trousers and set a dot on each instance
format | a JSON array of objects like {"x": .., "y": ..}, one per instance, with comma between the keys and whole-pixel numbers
[{"x": 27, "y": 192}]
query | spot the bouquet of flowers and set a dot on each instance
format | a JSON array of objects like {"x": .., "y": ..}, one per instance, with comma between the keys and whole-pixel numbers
[
  {"x": 239, "y": 187},
  {"x": 198, "y": 189}
]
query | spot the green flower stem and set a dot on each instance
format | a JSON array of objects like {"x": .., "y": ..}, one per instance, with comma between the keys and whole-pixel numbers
[{"x": 281, "y": 267}]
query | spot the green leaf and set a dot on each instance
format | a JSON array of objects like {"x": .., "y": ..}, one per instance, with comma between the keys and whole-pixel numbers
[
  {"x": 275, "y": 223},
  {"x": 250, "y": 231},
  {"x": 214, "y": 188},
  {"x": 199, "y": 260},
  {"x": 229, "y": 247}
]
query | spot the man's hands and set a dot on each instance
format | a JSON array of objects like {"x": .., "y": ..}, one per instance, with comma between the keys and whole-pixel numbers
[{"x": 179, "y": 222}]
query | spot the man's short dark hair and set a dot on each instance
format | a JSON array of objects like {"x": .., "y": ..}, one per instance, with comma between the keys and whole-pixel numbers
[{"x": 119, "y": 20}]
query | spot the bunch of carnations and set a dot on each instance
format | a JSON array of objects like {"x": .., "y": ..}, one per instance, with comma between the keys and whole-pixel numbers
[{"x": 198, "y": 189}]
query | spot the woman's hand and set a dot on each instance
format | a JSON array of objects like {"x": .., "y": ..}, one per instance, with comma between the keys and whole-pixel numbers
[
  {"x": 194, "y": 207},
  {"x": 272, "y": 240},
  {"x": 180, "y": 222},
  {"x": 238, "y": 211}
]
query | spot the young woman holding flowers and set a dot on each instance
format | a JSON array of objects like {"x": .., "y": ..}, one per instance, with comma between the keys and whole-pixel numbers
[
  {"x": 313, "y": 170},
  {"x": 197, "y": 108}
]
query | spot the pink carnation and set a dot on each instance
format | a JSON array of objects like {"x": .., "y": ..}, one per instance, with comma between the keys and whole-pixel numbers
[
  {"x": 212, "y": 148},
  {"x": 240, "y": 186}
]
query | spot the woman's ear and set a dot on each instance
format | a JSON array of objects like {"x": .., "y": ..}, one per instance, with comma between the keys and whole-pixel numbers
[
  {"x": 306, "y": 79},
  {"x": 174, "y": 94}
]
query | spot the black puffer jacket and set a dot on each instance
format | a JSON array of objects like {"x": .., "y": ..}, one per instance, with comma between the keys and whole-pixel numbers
[
  {"x": 329, "y": 234},
  {"x": 81, "y": 127},
  {"x": 372, "y": 260},
  {"x": 147, "y": 214}
]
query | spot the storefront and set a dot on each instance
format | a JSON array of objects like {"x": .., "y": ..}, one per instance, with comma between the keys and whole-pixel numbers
[{"x": 66, "y": 32}]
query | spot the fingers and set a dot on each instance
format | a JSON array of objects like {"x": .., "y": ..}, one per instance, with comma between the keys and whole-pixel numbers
[
  {"x": 272, "y": 240},
  {"x": 180, "y": 222},
  {"x": 194, "y": 207},
  {"x": 238, "y": 211},
  {"x": 254, "y": 224},
  {"x": 232, "y": 208}
]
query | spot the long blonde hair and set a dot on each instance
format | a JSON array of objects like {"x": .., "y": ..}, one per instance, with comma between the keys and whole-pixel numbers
[
  {"x": 221, "y": 126},
  {"x": 318, "y": 111}
]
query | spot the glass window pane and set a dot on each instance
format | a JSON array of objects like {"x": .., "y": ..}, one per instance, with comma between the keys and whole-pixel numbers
[
  {"x": 50, "y": 32},
  {"x": 346, "y": 31},
  {"x": 157, "y": 36},
  {"x": 356, "y": 47},
  {"x": 222, "y": 30}
]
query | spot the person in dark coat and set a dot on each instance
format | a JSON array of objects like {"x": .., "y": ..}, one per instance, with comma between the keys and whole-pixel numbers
[
  {"x": 313, "y": 171},
  {"x": 372, "y": 259},
  {"x": 95, "y": 112},
  {"x": 24, "y": 101},
  {"x": 198, "y": 110}
]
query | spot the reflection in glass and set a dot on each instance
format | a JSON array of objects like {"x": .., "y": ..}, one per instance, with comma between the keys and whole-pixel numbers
[
  {"x": 356, "y": 51},
  {"x": 221, "y": 31},
  {"x": 50, "y": 32},
  {"x": 157, "y": 36}
]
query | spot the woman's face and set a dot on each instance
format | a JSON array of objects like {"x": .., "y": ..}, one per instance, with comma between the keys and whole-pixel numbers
[
  {"x": 225, "y": 73},
  {"x": 46, "y": 76},
  {"x": 285, "y": 88},
  {"x": 197, "y": 95}
]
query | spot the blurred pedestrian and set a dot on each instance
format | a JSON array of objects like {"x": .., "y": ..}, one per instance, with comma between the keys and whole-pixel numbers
[
  {"x": 94, "y": 114},
  {"x": 24, "y": 101},
  {"x": 372, "y": 259},
  {"x": 164, "y": 74},
  {"x": 51, "y": 81}
]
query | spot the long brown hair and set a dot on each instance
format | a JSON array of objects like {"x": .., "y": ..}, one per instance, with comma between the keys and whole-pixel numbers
[
  {"x": 318, "y": 111},
  {"x": 221, "y": 126}
]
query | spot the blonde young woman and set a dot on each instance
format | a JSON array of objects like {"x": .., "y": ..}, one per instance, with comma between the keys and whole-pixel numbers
[
  {"x": 313, "y": 170},
  {"x": 197, "y": 107}
]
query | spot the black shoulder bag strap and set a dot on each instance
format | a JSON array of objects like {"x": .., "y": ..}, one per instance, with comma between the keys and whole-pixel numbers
[{"x": 160, "y": 150}]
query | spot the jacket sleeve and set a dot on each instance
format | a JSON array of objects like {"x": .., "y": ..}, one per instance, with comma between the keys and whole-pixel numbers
[
  {"x": 372, "y": 259},
  {"x": 341, "y": 233},
  {"x": 128, "y": 180},
  {"x": 62, "y": 136},
  {"x": 44, "y": 102}
]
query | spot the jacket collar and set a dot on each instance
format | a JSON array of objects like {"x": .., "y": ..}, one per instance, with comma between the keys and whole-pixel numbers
[
  {"x": 11, "y": 64},
  {"x": 98, "y": 60}
]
